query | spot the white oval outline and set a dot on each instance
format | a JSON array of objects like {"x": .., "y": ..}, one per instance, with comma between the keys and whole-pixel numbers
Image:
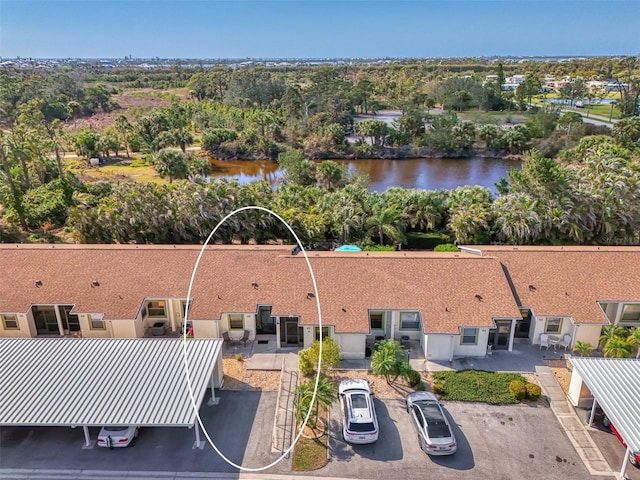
[{"x": 184, "y": 339}]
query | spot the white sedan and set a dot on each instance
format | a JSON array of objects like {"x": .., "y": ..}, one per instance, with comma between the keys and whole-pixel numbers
[
  {"x": 116, "y": 436},
  {"x": 434, "y": 432}
]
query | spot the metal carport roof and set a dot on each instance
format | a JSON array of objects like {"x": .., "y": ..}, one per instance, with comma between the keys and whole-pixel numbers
[
  {"x": 615, "y": 386},
  {"x": 94, "y": 382}
]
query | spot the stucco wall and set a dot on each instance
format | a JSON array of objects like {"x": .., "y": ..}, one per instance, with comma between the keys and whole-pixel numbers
[
  {"x": 206, "y": 329},
  {"x": 439, "y": 347},
  {"x": 588, "y": 333},
  {"x": 249, "y": 324},
  {"x": 124, "y": 328},
  {"x": 352, "y": 345},
  {"x": 477, "y": 350},
  {"x": 87, "y": 331}
]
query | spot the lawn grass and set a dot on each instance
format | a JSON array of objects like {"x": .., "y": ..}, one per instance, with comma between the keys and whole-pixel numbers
[
  {"x": 310, "y": 454},
  {"x": 475, "y": 386}
]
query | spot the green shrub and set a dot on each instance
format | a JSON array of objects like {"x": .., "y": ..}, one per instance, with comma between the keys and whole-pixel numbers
[
  {"x": 446, "y": 247},
  {"x": 437, "y": 388},
  {"x": 379, "y": 248},
  {"x": 412, "y": 377},
  {"x": 517, "y": 389},
  {"x": 420, "y": 387},
  {"x": 426, "y": 241},
  {"x": 476, "y": 386},
  {"x": 533, "y": 391},
  {"x": 308, "y": 358}
]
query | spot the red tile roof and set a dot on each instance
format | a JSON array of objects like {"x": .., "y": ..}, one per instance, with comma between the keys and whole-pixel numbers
[
  {"x": 569, "y": 281},
  {"x": 449, "y": 289}
]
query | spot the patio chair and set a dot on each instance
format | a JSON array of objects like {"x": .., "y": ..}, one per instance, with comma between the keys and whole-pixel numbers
[
  {"x": 566, "y": 341},
  {"x": 544, "y": 341},
  {"x": 245, "y": 338},
  {"x": 228, "y": 340}
]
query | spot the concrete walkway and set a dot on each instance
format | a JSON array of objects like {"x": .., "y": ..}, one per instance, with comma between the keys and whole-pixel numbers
[{"x": 574, "y": 427}]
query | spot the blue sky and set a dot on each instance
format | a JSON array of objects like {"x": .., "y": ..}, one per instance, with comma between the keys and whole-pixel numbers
[{"x": 316, "y": 29}]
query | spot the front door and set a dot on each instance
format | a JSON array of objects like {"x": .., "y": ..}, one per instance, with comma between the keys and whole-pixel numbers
[
  {"x": 502, "y": 334},
  {"x": 289, "y": 332},
  {"x": 46, "y": 320},
  {"x": 265, "y": 323}
]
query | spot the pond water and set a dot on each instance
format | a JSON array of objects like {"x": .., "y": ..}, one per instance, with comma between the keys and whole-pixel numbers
[{"x": 423, "y": 173}]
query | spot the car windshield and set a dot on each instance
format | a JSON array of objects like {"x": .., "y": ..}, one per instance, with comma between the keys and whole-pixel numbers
[
  {"x": 361, "y": 427},
  {"x": 115, "y": 429}
]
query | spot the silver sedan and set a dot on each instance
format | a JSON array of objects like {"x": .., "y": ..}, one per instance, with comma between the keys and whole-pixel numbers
[{"x": 434, "y": 432}]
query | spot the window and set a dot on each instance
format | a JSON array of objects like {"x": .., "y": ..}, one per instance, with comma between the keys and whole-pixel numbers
[
  {"x": 10, "y": 322},
  {"x": 97, "y": 324},
  {"x": 409, "y": 321},
  {"x": 469, "y": 336},
  {"x": 156, "y": 308},
  {"x": 325, "y": 332},
  {"x": 185, "y": 307},
  {"x": 631, "y": 313},
  {"x": 376, "y": 320},
  {"x": 70, "y": 321},
  {"x": 236, "y": 321},
  {"x": 553, "y": 325}
]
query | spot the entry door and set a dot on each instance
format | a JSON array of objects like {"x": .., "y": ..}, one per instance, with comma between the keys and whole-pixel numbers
[
  {"x": 289, "y": 331},
  {"x": 502, "y": 335},
  {"x": 266, "y": 324},
  {"x": 45, "y": 320}
]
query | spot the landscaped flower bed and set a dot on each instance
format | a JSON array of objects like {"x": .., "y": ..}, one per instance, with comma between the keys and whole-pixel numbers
[{"x": 475, "y": 386}]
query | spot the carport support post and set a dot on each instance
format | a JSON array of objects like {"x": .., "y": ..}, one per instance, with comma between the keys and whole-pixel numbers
[
  {"x": 87, "y": 438},
  {"x": 213, "y": 400},
  {"x": 623, "y": 469},
  {"x": 198, "y": 443},
  {"x": 593, "y": 412}
]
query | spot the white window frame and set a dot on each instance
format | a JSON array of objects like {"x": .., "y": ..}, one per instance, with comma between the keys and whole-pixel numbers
[
  {"x": 97, "y": 323},
  {"x": 464, "y": 332},
  {"x": 553, "y": 319},
  {"x": 415, "y": 319},
  {"x": 235, "y": 317},
  {"x": 9, "y": 317}
]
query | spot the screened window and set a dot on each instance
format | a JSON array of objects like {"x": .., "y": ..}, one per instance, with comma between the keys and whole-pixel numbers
[
  {"x": 236, "y": 321},
  {"x": 97, "y": 324},
  {"x": 469, "y": 336},
  {"x": 156, "y": 308},
  {"x": 409, "y": 321},
  {"x": 553, "y": 325},
  {"x": 631, "y": 313},
  {"x": 10, "y": 322},
  {"x": 376, "y": 320},
  {"x": 325, "y": 333}
]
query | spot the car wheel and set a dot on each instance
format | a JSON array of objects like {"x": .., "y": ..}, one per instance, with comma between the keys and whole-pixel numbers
[{"x": 633, "y": 459}]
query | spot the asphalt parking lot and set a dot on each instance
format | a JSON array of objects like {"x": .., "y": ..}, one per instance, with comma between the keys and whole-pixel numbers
[{"x": 497, "y": 442}]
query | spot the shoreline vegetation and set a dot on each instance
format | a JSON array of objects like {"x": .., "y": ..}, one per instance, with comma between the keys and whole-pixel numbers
[{"x": 578, "y": 182}]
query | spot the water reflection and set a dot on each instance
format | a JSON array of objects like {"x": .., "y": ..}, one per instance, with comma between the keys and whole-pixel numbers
[{"x": 424, "y": 173}]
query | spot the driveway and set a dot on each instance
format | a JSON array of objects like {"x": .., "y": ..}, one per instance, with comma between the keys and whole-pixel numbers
[{"x": 498, "y": 442}]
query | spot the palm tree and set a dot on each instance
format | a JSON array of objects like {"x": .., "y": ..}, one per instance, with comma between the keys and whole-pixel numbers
[
  {"x": 388, "y": 360},
  {"x": 634, "y": 340},
  {"x": 611, "y": 331},
  {"x": 583, "y": 349},
  {"x": 617, "y": 347},
  {"x": 325, "y": 395},
  {"x": 385, "y": 222}
]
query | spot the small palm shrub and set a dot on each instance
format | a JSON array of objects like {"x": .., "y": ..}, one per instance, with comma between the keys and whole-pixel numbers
[{"x": 413, "y": 378}]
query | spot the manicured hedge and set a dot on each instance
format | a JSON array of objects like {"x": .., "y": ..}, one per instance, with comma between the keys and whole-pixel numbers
[{"x": 476, "y": 386}]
